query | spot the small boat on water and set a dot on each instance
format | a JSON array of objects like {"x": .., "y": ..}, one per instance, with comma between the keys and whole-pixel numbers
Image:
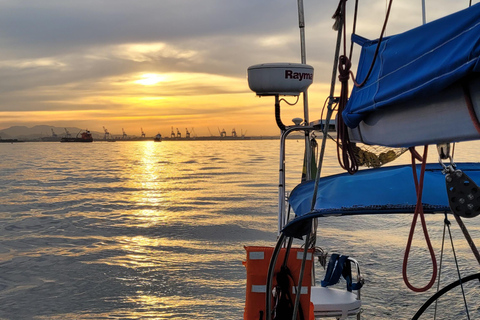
[
  {"x": 85, "y": 136},
  {"x": 158, "y": 138},
  {"x": 429, "y": 75},
  {"x": 9, "y": 140}
]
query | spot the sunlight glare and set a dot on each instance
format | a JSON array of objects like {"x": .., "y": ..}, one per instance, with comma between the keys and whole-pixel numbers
[{"x": 149, "y": 79}]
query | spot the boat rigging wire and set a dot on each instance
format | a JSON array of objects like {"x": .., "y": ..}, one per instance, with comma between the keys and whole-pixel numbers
[
  {"x": 419, "y": 212},
  {"x": 332, "y": 103},
  {"x": 467, "y": 236},
  {"x": 458, "y": 268},
  {"x": 446, "y": 221},
  {"x": 445, "y": 226}
]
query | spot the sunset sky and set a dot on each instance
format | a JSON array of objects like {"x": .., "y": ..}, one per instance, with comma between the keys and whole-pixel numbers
[{"x": 157, "y": 64}]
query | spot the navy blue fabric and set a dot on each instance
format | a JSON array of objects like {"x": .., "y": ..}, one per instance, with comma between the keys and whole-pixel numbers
[
  {"x": 417, "y": 63},
  {"x": 384, "y": 190},
  {"x": 339, "y": 265},
  {"x": 334, "y": 270},
  {"x": 330, "y": 268}
]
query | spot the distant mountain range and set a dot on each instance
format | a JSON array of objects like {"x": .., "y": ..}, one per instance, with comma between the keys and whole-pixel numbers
[{"x": 42, "y": 131}]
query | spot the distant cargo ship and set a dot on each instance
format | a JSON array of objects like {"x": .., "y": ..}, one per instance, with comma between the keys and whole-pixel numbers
[{"x": 86, "y": 136}]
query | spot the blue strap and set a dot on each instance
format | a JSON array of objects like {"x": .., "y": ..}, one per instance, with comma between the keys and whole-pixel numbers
[
  {"x": 334, "y": 270},
  {"x": 331, "y": 265},
  {"x": 339, "y": 266}
]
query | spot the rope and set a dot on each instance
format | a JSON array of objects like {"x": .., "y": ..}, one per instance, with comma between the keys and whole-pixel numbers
[
  {"x": 345, "y": 149},
  {"x": 419, "y": 212},
  {"x": 347, "y": 159},
  {"x": 378, "y": 45}
]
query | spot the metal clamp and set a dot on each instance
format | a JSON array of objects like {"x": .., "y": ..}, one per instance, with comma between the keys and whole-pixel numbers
[{"x": 444, "y": 154}]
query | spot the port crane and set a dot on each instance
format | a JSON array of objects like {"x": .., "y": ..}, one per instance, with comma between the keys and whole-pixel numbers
[
  {"x": 124, "y": 135},
  {"x": 187, "y": 134},
  {"x": 179, "y": 135},
  {"x": 234, "y": 133},
  {"x": 106, "y": 136},
  {"x": 172, "y": 135},
  {"x": 223, "y": 133},
  {"x": 67, "y": 134},
  {"x": 143, "y": 133}
]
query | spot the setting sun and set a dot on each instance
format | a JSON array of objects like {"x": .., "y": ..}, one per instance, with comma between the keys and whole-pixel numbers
[{"x": 149, "y": 79}]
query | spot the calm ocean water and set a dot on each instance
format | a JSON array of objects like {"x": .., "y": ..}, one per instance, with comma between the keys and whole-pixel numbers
[{"x": 144, "y": 230}]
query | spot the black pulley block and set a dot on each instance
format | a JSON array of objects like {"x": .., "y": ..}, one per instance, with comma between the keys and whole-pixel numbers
[{"x": 463, "y": 194}]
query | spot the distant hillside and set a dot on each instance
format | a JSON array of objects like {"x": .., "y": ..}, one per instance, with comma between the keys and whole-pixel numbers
[{"x": 41, "y": 131}]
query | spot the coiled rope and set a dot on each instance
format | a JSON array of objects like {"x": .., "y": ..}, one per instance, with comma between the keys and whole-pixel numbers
[{"x": 345, "y": 149}]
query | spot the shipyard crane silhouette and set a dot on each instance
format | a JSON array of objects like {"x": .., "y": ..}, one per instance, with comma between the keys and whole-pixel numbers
[
  {"x": 106, "y": 136},
  {"x": 124, "y": 135},
  {"x": 143, "y": 133},
  {"x": 223, "y": 133}
]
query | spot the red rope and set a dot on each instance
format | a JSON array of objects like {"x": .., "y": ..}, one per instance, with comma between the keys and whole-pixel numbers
[
  {"x": 471, "y": 110},
  {"x": 419, "y": 212}
]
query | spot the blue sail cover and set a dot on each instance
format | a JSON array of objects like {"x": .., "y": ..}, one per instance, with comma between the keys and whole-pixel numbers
[
  {"x": 417, "y": 63},
  {"x": 373, "y": 191}
]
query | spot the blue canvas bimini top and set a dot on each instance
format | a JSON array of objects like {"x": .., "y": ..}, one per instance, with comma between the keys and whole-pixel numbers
[
  {"x": 417, "y": 63},
  {"x": 373, "y": 191}
]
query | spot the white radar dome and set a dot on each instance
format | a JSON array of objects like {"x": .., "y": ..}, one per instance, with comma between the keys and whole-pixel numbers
[{"x": 287, "y": 79}]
